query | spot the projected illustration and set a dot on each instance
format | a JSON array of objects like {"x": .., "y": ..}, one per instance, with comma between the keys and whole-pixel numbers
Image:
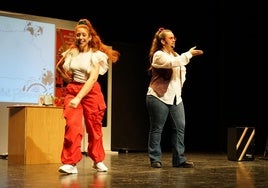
[{"x": 27, "y": 52}]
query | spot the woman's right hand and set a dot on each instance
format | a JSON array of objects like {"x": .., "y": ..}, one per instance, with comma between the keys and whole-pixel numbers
[
  {"x": 195, "y": 52},
  {"x": 67, "y": 76},
  {"x": 74, "y": 102}
]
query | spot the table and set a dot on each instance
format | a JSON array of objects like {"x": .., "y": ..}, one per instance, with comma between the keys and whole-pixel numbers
[{"x": 35, "y": 134}]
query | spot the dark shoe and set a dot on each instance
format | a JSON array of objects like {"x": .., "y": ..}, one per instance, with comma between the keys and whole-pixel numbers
[
  {"x": 156, "y": 165},
  {"x": 185, "y": 165}
]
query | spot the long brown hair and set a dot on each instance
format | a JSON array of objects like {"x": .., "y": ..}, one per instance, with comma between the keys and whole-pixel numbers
[{"x": 159, "y": 35}]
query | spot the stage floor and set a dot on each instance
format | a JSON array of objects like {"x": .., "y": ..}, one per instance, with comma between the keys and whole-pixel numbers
[{"x": 133, "y": 170}]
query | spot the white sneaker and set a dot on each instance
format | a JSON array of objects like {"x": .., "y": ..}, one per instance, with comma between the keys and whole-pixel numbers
[
  {"x": 69, "y": 169},
  {"x": 100, "y": 167}
]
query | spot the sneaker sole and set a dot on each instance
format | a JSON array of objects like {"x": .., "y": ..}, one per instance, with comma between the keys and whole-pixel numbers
[
  {"x": 99, "y": 170},
  {"x": 63, "y": 171}
]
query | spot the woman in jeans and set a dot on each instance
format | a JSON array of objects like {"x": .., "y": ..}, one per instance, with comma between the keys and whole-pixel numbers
[{"x": 164, "y": 99}]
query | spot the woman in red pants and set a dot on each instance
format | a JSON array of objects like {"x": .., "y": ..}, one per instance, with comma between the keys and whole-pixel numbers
[{"x": 80, "y": 66}]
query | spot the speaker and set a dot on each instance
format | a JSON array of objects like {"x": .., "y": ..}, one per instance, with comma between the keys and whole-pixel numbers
[{"x": 241, "y": 143}]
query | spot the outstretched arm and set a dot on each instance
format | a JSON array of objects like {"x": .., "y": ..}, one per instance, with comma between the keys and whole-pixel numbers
[{"x": 195, "y": 52}]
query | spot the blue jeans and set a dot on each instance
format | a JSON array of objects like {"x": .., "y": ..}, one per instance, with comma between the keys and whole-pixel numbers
[{"x": 159, "y": 112}]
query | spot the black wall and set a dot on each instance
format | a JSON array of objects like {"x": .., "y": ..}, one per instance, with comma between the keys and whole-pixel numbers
[
  {"x": 226, "y": 87},
  {"x": 129, "y": 116}
]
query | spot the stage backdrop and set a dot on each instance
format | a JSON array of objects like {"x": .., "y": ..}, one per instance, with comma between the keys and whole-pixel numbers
[{"x": 27, "y": 51}]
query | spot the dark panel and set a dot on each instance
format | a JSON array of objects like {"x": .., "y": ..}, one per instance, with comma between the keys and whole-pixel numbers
[
  {"x": 129, "y": 114},
  {"x": 240, "y": 145}
]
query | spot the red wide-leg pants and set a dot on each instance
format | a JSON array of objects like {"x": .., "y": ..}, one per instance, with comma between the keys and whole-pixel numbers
[{"x": 92, "y": 107}]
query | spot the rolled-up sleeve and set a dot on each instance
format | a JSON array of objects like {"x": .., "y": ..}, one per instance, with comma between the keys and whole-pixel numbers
[{"x": 166, "y": 61}]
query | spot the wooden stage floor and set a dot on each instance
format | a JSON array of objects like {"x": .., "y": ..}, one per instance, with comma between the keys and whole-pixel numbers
[{"x": 133, "y": 170}]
